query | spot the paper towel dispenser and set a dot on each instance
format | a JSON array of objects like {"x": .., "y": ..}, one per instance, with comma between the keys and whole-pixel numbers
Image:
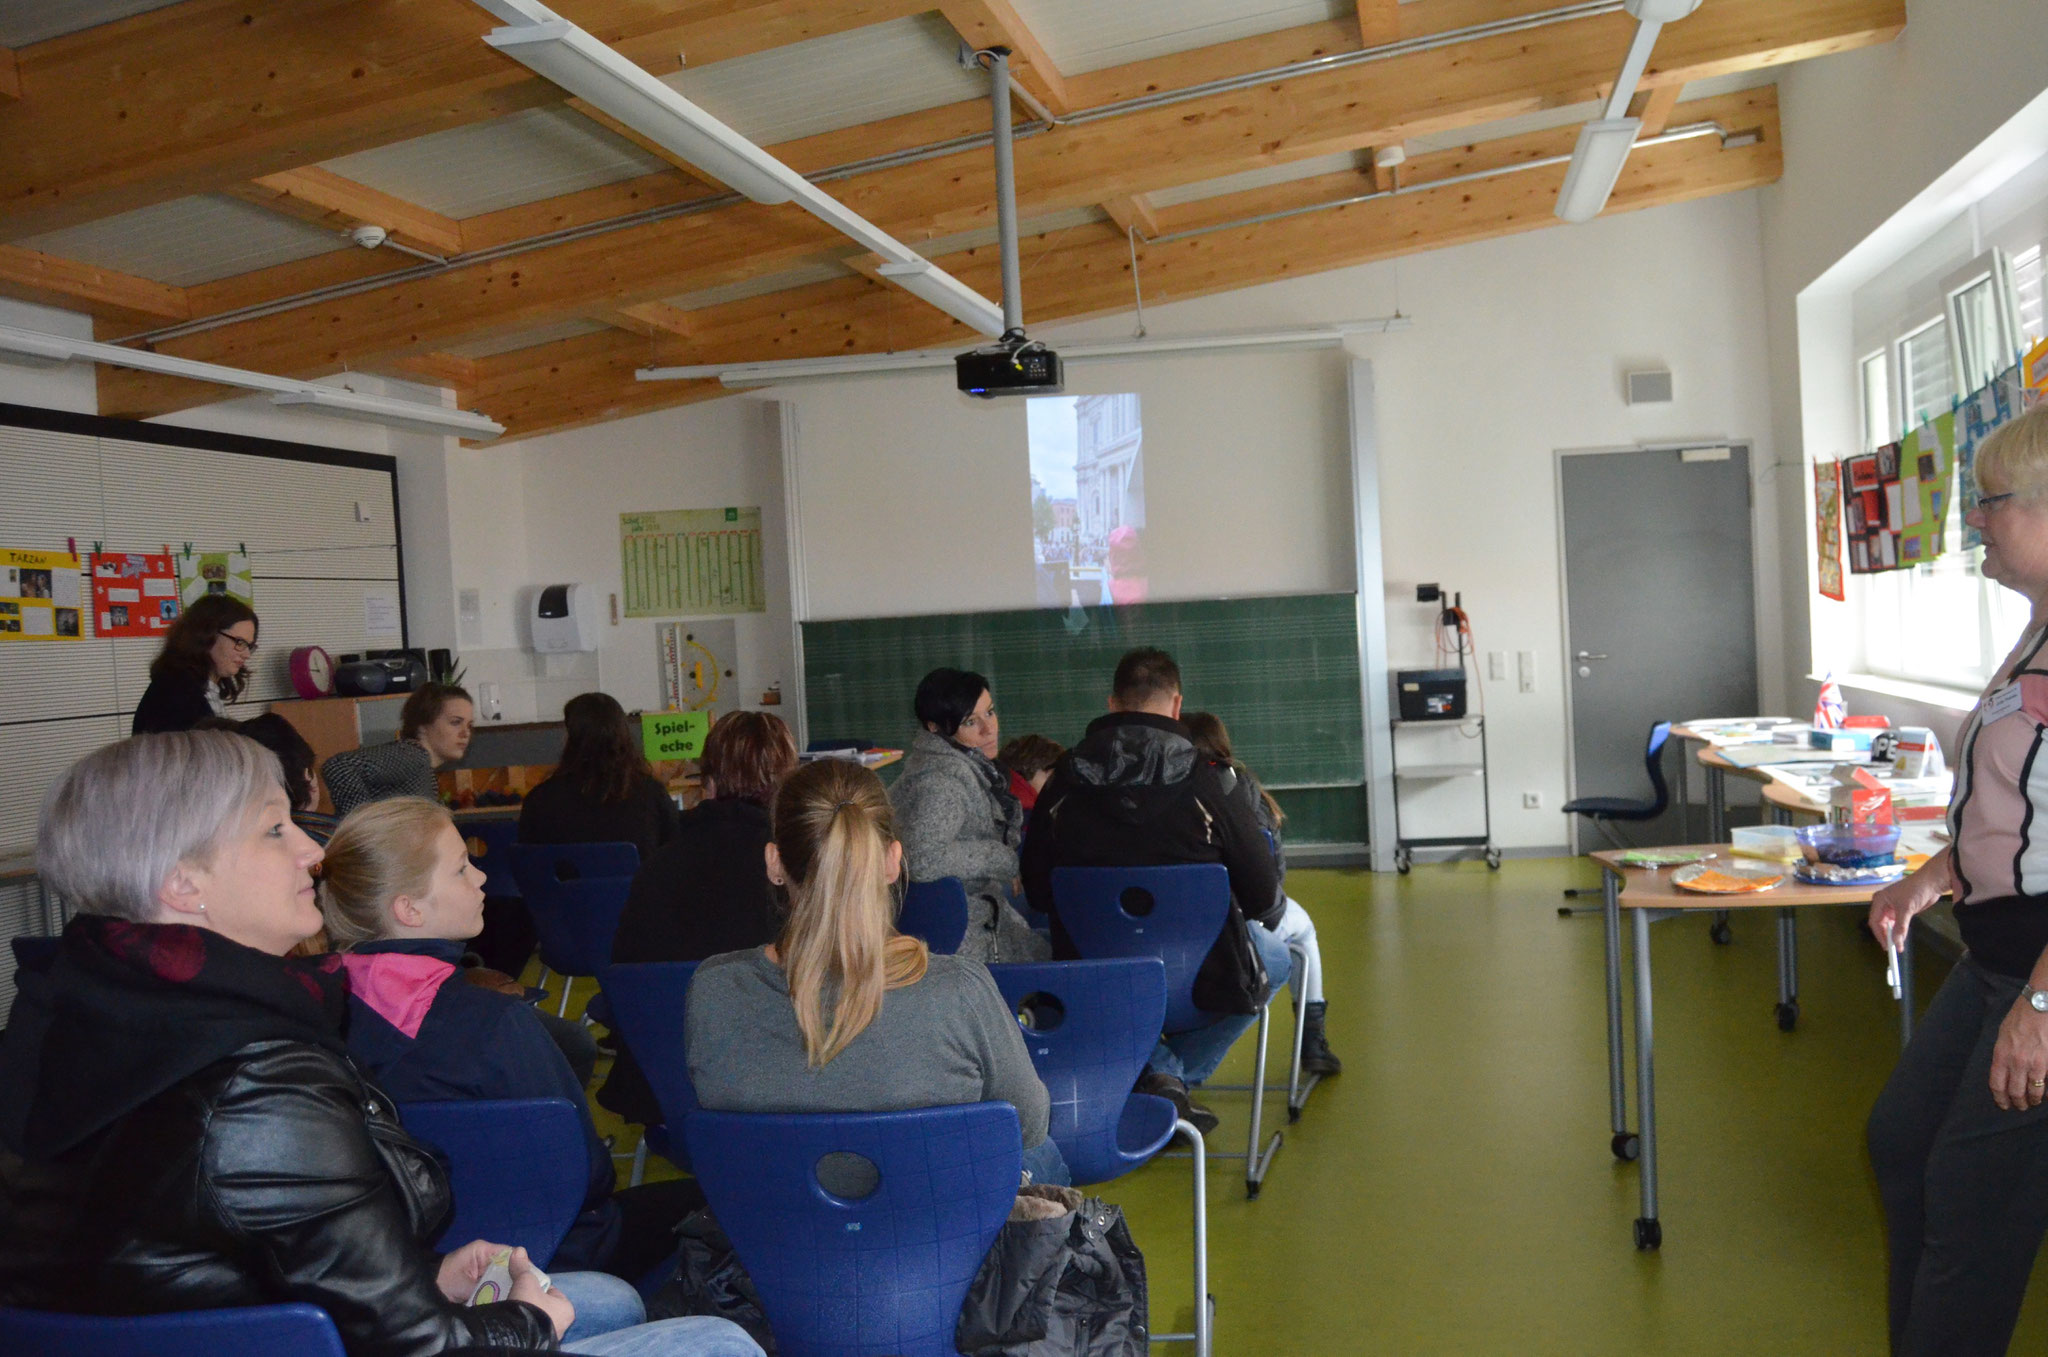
[{"x": 562, "y": 621}]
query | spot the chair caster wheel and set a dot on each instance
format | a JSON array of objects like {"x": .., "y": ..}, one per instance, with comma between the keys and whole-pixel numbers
[
  {"x": 1493, "y": 859},
  {"x": 1787, "y": 1015},
  {"x": 1721, "y": 933},
  {"x": 1649, "y": 1233},
  {"x": 1626, "y": 1146},
  {"x": 1403, "y": 860}
]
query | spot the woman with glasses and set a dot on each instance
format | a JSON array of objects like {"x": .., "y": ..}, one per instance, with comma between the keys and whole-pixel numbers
[
  {"x": 1959, "y": 1136},
  {"x": 203, "y": 666},
  {"x": 957, "y": 816}
]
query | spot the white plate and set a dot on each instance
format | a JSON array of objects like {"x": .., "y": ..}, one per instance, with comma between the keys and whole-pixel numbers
[{"x": 1764, "y": 876}]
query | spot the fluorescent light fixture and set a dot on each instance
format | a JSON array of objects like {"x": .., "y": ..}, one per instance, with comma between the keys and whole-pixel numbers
[
  {"x": 1660, "y": 11},
  {"x": 1603, "y": 149},
  {"x": 389, "y": 410},
  {"x": 397, "y": 414},
  {"x": 593, "y": 72},
  {"x": 855, "y": 365},
  {"x": 578, "y": 62}
]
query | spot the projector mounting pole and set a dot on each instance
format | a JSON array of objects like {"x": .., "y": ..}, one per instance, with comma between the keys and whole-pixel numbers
[{"x": 1006, "y": 193}]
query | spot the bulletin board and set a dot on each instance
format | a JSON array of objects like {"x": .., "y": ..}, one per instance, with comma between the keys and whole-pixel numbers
[{"x": 136, "y": 497}]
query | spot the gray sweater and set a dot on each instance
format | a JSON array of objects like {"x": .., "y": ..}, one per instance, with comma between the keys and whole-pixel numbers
[
  {"x": 956, "y": 818},
  {"x": 947, "y": 1039}
]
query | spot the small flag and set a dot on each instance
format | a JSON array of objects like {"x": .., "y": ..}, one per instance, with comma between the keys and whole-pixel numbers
[{"x": 1830, "y": 710}]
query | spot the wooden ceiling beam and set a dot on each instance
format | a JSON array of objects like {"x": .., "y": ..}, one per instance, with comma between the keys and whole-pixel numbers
[
  {"x": 119, "y": 298},
  {"x": 1070, "y": 166},
  {"x": 10, "y": 74},
  {"x": 1086, "y": 272},
  {"x": 1654, "y": 107},
  {"x": 206, "y": 94},
  {"x": 647, "y": 319},
  {"x": 983, "y": 24},
  {"x": 325, "y": 199},
  {"x": 1132, "y": 209}
]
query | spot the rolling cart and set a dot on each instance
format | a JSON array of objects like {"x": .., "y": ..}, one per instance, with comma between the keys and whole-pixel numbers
[{"x": 1404, "y": 847}]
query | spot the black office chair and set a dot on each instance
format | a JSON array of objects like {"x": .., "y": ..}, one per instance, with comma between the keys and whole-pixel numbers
[{"x": 1604, "y": 811}]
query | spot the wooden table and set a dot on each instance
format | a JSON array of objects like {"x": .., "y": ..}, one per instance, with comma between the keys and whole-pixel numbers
[{"x": 1651, "y": 898}]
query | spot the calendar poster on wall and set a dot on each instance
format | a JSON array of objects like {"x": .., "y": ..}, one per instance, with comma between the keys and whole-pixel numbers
[
  {"x": 133, "y": 594},
  {"x": 39, "y": 596}
]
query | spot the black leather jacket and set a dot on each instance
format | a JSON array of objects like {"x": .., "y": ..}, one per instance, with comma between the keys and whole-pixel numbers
[{"x": 277, "y": 1174}]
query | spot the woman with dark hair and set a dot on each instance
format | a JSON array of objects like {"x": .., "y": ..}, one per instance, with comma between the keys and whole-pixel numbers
[
  {"x": 602, "y": 790},
  {"x": 841, "y": 1013},
  {"x": 703, "y": 892},
  {"x": 958, "y": 817},
  {"x": 183, "y": 1127},
  {"x": 433, "y": 729},
  {"x": 203, "y": 666}
]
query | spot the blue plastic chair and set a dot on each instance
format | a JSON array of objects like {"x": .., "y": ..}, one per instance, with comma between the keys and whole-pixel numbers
[
  {"x": 1108, "y": 1016},
  {"x": 491, "y": 838},
  {"x": 935, "y": 911},
  {"x": 519, "y": 1168},
  {"x": 295, "y": 1330},
  {"x": 883, "y": 1276},
  {"x": 1176, "y": 914},
  {"x": 575, "y": 893},
  {"x": 651, "y": 1001}
]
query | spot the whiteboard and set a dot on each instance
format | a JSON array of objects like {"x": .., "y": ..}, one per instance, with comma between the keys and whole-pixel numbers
[{"x": 321, "y": 568}]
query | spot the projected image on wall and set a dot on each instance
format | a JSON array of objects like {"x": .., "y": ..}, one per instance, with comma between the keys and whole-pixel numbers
[{"x": 1087, "y": 499}]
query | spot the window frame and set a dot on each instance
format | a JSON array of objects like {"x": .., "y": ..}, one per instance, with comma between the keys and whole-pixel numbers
[{"x": 1993, "y": 267}]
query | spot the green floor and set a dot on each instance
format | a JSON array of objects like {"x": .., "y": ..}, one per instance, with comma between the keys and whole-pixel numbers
[{"x": 1452, "y": 1191}]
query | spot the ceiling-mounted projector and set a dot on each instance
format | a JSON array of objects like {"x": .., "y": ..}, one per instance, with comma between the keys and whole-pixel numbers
[{"x": 1013, "y": 366}]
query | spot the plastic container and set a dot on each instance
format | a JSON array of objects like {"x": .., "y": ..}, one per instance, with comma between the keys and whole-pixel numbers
[
  {"x": 1772, "y": 843},
  {"x": 1850, "y": 845}
]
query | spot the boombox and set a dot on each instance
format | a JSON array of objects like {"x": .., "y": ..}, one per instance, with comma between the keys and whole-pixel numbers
[{"x": 369, "y": 678}]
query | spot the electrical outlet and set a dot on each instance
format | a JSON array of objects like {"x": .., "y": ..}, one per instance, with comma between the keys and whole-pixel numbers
[
  {"x": 1496, "y": 665},
  {"x": 1525, "y": 670},
  {"x": 1532, "y": 800}
]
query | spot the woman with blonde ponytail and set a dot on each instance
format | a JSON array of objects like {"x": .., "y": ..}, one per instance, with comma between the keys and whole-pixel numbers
[{"x": 842, "y": 1013}]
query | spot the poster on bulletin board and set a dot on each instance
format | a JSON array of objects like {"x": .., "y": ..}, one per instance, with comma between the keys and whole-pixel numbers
[
  {"x": 215, "y": 572},
  {"x": 39, "y": 596},
  {"x": 1827, "y": 526},
  {"x": 1927, "y": 461},
  {"x": 133, "y": 594}
]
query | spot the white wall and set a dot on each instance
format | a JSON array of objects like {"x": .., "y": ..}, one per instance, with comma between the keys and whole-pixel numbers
[
  {"x": 1517, "y": 350},
  {"x": 917, "y": 499}
]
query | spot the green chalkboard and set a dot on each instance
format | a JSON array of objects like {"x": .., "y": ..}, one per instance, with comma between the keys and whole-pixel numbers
[{"x": 1282, "y": 672}]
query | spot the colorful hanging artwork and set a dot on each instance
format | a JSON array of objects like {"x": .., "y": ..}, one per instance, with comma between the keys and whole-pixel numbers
[
  {"x": 133, "y": 594},
  {"x": 2034, "y": 374},
  {"x": 39, "y": 596},
  {"x": 215, "y": 572},
  {"x": 1987, "y": 407},
  {"x": 1895, "y": 500},
  {"x": 1827, "y": 526}
]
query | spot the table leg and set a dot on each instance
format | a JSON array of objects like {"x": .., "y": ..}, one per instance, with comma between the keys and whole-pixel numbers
[
  {"x": 1717, "y": 805},
  {"x": 1623, "y": 1144},
  {"x": 1906, "y": 993},
  {"x": 1684, "y": 796},
  {"x": 1649, "y": 1230},
  {"x": 1788, "y": 970}
]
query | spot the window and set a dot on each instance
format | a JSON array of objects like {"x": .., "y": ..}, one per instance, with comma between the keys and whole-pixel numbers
[
  {"x": 1983, "y": 319},
  {"x": 1926, "y": 379},
  {"x": 2026, "y": 277},
  {"x": 1877, "y": 402}
]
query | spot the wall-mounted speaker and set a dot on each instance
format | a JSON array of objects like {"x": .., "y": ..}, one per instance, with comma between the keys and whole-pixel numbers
[{"x": 1649, "y": 388}]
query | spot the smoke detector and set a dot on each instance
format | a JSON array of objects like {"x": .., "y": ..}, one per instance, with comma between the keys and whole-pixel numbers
[{"x": 369, "y": 237}]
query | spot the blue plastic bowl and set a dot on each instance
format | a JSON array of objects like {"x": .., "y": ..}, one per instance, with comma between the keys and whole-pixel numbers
[{"x": 1850, "y": 845}]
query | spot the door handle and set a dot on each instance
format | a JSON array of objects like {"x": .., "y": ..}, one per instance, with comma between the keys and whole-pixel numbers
[{"x": 1588, "y": 655}]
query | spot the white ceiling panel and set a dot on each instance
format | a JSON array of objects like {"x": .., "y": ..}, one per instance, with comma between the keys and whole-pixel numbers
[
  {"x": 525, "y": 339},
  {"x": 489, "y": 166},
  {"x": 23, "y": 22},
  {"x": 862, "y": 75},
  {"x": 190, "y": 240},
  {"x": 1087, "y": 35}
]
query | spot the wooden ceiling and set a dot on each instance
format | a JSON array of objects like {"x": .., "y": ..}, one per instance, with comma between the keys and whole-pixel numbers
[{"x": 247, "y": 99}]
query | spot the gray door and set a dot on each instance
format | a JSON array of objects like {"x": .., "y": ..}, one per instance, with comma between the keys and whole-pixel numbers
[{"x": 1660, "y": 611}]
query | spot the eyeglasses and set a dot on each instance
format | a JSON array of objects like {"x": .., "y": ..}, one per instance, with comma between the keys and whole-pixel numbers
[
  {"x": 241, "y": 646},
  {"x": 1986, "y": 503}
]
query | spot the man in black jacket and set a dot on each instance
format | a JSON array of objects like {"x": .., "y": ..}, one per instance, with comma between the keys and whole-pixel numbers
[{"x": 1134, "y": 793}]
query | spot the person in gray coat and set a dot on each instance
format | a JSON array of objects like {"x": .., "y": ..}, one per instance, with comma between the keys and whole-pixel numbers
[{"x": 956, "y": 816}]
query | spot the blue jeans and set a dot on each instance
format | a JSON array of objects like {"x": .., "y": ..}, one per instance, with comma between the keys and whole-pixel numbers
[
  {"x": 1047, "y": 1165},
  {"x": 1192, "y": 1057},
  {"x": 611, "y": 1322}
]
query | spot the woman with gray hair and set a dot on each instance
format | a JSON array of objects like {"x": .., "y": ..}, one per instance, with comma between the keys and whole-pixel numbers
[
  {"x": 180, "y": 1125},
  {"x": 1959, "y": 1136}
]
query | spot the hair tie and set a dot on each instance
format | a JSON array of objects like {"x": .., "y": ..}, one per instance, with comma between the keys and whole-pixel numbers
[{"x": 838, "y": 806}]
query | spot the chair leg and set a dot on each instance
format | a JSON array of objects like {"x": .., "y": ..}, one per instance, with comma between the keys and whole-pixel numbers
[
  {"x": 1297, "y": 1092},
  {"x": 1205, "y": 1316},
  {"x": 640, "y": 1159},
  {"x": 1616, "y": 841},
  {"x": 1255, "y": 1163},
  {"x": 568, "y": 983}
]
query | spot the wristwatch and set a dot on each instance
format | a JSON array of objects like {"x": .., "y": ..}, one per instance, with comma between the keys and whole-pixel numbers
[{"x": 2037, "y": 997}]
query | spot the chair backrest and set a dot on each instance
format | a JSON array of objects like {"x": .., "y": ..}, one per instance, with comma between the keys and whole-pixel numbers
[
  {"x": 1653, "y": 762},
  {"x": 935, "y": 911},
  {"x": 519, "y": 1168},
  {"x": 651, "y": 1000},
  {"x": 34, "y": 955},
  {"x": 576, "y": 920},
  {"x": 538, "y": 867},
  {"x": 1173, "y": 913},
  {"x": 490, "y": 840},
  {"x": 295, "y": 1330},
  {"x": 1095, "y": 1023},
  {"x": 882, "y": 1276}
]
